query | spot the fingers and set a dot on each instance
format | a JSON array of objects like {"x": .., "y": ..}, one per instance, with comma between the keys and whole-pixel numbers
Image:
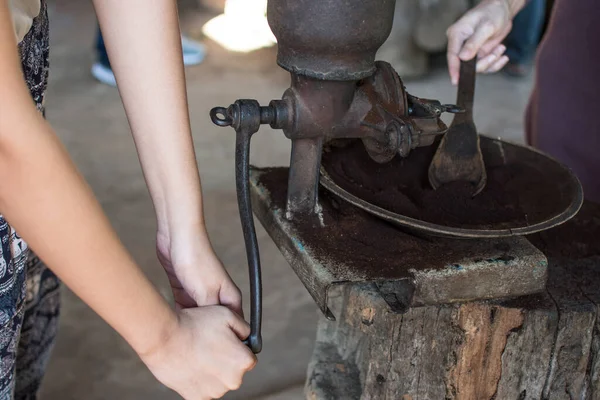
[
  {"x": 498, "y": 65},
  {"x": 482, "y": 34},
  {"x": 231, "y": 297},
  {"x": 204, "y": 358},
  {"x": 198, "y": 293},
  {"x": 455, "y": 42},
  {"x": 457, "y": 34},
  {"x": 233, "y": 376},
  {"x": 478, "y": 33},
  {"x": 491, "y": 59},
  {"x": 453, "y": 68},
  {"x": 240, "y": 363},
  {"x": 182, "y": 299},
  {"x": 486, "y": 62},
  {"x": 494, "y": 41},
  {"x": 247, "y": 363},
  {"x": 237, "y": 324}
]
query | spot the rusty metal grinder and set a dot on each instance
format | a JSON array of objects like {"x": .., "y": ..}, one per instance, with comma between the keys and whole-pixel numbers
[{"x": 338, "y": 93}]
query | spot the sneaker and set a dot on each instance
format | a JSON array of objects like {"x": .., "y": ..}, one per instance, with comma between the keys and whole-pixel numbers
[
  {"x": 104, "y": 74},
  {"x": 193, "y": 54}
]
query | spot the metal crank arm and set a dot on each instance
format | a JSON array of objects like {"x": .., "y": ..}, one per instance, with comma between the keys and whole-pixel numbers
[{"x": 234, "y": 116}]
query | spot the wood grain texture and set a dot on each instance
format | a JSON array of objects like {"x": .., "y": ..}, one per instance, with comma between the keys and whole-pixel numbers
[{"x": 535, "y": 347}]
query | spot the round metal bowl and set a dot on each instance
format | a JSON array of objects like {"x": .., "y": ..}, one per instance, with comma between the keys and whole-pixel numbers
[{"x": 565, "y": 202}]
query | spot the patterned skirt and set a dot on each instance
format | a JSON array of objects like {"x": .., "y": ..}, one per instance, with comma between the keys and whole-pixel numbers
[{"x": 29, "y": 292}]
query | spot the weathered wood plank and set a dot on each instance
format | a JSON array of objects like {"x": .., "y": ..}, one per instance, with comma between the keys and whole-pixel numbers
[
  {"x": 567, "y": 377},
  {"x": 535, "y": 347},
  {"x": 528, "y": 351},
  {"x": 479, "y": 359}
]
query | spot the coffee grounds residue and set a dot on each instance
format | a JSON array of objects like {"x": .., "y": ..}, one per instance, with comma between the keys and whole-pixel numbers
[
  {"x": 353, "y": 238},
  {"x": 515, "y": 195}
]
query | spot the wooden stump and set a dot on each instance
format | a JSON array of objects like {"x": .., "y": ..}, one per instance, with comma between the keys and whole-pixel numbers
[{"x": 543, "y": 346}]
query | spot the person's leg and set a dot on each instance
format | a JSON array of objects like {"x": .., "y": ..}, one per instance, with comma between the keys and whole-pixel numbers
[
  {"x": 39, "y": 327},
  {"x": 561, "y": 114},
  {"x": 101, "y": 69},
  {"x": 193, "y": 54},
  {"x": 13, "y": 256},
  {"x": 522, "y": 41},
  {"x": 102, "y": 55}
]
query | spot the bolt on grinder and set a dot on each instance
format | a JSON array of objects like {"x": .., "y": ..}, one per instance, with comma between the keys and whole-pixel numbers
[{"x": 339, "y": 92}]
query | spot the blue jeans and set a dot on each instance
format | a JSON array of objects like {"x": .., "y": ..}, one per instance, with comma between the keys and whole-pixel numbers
[
  {"x": 521, "y": 43},
  {"x": 102, "y": 55}
]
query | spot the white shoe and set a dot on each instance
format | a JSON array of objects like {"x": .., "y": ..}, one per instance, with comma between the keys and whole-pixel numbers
[
  {"x": 193, "y": 54},
  {"x": 104, "y": 74}
]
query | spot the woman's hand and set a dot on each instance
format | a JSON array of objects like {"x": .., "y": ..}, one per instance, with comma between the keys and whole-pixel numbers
[
  {"x": 203, "y": 357},
  {"x": 480, "y": 33},
  {"x": 196, "y": 275}
]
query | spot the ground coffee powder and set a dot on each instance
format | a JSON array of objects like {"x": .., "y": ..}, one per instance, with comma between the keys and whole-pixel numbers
[
  {"x": 515, "y": 195},
  {"x": 351, "y": 237}
]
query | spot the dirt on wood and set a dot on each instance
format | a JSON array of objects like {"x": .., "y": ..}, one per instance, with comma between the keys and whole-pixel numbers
[{"x": 357, "y": 239}]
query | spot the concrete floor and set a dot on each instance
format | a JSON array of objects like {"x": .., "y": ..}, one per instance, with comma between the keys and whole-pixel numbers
[{"x": 90, "y": 361}]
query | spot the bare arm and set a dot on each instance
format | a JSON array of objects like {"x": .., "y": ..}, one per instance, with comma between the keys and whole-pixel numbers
[
  {"x": 143, "y": 41},
  {"x": 46, "y": 200}
]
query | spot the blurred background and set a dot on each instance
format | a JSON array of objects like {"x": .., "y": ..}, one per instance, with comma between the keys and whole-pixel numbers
[{"x": 90, "y": 361}]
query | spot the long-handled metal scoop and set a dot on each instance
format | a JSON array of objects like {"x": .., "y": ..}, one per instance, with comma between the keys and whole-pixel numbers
[{"x": 458, "y": 157}]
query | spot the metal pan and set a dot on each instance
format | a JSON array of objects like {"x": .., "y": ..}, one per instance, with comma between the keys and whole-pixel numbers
[{"x": 567, "y": 200}]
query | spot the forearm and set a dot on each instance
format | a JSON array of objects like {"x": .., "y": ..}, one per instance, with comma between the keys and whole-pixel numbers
[
  {"x": 143, "y": 41},
  {"x": 48, "y": 203}
]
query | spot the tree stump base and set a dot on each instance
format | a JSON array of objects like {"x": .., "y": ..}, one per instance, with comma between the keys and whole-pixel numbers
[{"x": 544, "y": 346}]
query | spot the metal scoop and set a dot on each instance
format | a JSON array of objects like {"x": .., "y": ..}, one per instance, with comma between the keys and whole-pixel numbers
[{"x": 458, "y": 157}]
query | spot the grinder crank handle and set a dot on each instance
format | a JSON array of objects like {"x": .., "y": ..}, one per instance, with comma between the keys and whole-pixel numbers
[
  {"x": 242, "y": 178},
  {"x": 232, "y": 117}
]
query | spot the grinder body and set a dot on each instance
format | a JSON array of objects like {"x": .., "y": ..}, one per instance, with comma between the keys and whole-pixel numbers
[{"x": 337, "y": 91}]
